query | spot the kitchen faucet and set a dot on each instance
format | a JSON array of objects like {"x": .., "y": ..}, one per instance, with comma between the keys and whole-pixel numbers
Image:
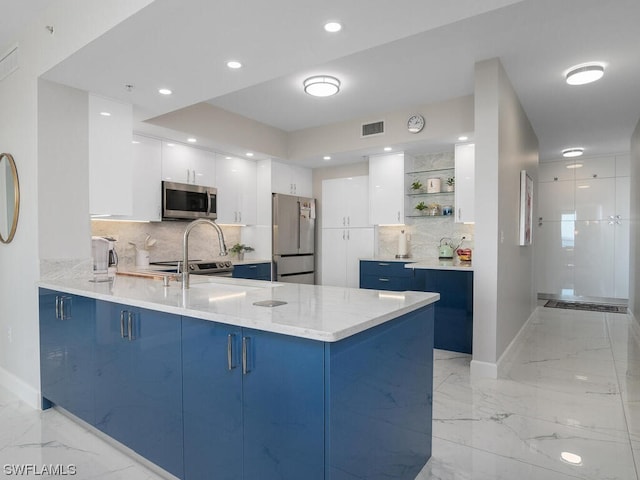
[{"x": 185, "y": 246}]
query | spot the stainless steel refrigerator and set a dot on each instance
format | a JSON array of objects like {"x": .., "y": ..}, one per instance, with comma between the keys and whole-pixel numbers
[{"x": 294, "y": 223}]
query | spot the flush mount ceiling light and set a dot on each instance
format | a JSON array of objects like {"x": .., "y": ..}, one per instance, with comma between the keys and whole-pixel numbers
[
  {"x": 326, "y": 158},
  {"x": 321, "y": 86},
  {"x": 332, "y": 27},
  {"x": 249, "y": 154},
  {"x": 105, "y": 114},
  {"x": 585, "y": 73},
  {"x": 233, "y": 64},
  {"x": 572, "y": 152},
  {"x": 164, "y": 91}
]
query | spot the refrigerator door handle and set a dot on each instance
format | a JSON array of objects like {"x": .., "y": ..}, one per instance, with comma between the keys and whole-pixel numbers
[{"x": 299, "y": 213}]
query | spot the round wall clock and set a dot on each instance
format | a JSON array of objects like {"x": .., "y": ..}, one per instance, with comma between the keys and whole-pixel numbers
[{"x": 415, "y": 123}]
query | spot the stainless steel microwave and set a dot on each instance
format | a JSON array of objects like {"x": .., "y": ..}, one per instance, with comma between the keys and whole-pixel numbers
[{"x": 184, "y": 201}]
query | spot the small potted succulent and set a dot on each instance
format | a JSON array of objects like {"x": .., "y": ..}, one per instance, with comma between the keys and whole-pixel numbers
[
  {"x": 421, "y": 207},
  {"x": 416, "y": 187},
  {"x": 239, "y": 249},
  {"x": 451, "y": 181}
]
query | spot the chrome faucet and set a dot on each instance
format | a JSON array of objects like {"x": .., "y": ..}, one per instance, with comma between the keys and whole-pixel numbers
[{"x": 185, "y": 246}]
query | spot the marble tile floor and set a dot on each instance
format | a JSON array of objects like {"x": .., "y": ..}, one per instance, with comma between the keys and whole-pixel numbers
[{"x": 572, "y": 390}]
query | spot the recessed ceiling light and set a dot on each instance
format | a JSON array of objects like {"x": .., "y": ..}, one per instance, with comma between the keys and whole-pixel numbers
[
  {"x": 171, "y": 144},
  {"x": 572, "y": 152},
  {"x": 164, "y": 91},
  {"x": 462, "y": 138},
  {"x": 326, "y": 157},
  {"x": 584, "y": 73},
  {"x": 191, "y": 140},
  {"x": 571, "y": 458},
  {"x": 135, "y": 142},
  {"x": 332, "y": 27},
  {"x": 387, "y": 149},
  {"x": 234, "y": 64},
  {"x": 321, "y": 86},
  {"x": 105, "y": 114},
  {"x": 227, "y": 158},
  {"x": 249, "y": 154}
]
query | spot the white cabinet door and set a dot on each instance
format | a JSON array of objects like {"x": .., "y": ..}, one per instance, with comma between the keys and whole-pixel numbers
[
  {"x": 291, "y": 179},
  {"x": 386, "y": 189},
  {"x": 184, "y": 164},
  {"x": 333, "y": 209},
  {"x": 594, "y": 258},
  {"x": 621, "y": 259},
  {"x": 556, "y": 171},
  {"x": 555, "y": 257},
  {"x": 147, "y": 174},
  {"x": 623, "y": 198},
  {"x": 236, "y": 185},
  {"x": 334, "y": 256},
  {"x": 359, "y": 245},
  {"x": 110, "y": 157},
  {"x": 595, "y": 199},
  {"x": 556, "y": 200},
  {"x": 356, "y": 198},
  {"x": 600, "y": 167},
  {"x": 465, "y": 183}
]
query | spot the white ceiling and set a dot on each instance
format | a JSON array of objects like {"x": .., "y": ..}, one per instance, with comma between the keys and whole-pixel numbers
[
  {"x": 390, "y": 56},
  {"x": 15, "y": 15}
]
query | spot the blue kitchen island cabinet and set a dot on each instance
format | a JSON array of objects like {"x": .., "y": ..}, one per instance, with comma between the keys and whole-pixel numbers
[
  {"x": 454, "y": 311},
  {"x": 380, "y": 275},
  {"x": 271, "y": 406},
  {"x": 138, "y": 385},
  {"x": 67, "y": 343},
  {"x": 253, "y": 271}
]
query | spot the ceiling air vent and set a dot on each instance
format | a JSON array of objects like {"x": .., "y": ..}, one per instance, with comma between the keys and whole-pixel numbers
[
  {"x": 9, "y": 63},
  {"x": 375, "y": 128}
]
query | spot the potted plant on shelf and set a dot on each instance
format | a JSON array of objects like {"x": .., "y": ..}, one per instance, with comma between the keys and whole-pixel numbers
[
  {"x": 451, "y": 181},
  {"x": 239, "y": 249},
  {"x": 416, "y": 187},
  {"x": 421, "y": 207}
]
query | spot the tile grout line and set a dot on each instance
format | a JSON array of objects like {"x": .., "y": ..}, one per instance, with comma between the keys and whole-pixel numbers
[{"x": 624, "y": 410}]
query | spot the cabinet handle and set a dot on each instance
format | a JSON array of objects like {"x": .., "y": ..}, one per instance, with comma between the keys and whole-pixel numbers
[
  {"x": 230, "y": 338},
  {"x": 130, "y": 326},
  {"x": 245, "y": 346},
  {"x": 122, "y": 313},
  {"x": 383, "y": 279},
  {"x": 398, "y": 216},
  {"x": 193, "y": 176},
  {"x": 344, "y": 221},
  {"x": 348, "y": 235},
  {"x": 344, "y": 235},
  {"x": 57, "y": 307},
  {"x": 188, "y": 176},
  {"x": 62, "y": 313},
  {"x": 253, "y": 266},
  {"x": 383, "y": 264},
  {"x": 240, "y": 217},
  {"x": 348, "y": 221},
  {"x": 459, "y": 214},
  {"x": 618, "y": 217}
]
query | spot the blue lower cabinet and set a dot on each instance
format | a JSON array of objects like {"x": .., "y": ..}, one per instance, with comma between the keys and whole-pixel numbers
[
  {"x": 283, "y": 406},
  {"x": 212, "y": 396},
  {"x": 139, "y": 381},
  {"x": 454, "y": 311},
  {"x": 385, "y": 276},
  {"x": 380, "y": 394},
  {"x": 67, "y": 348},
  {"x": 253, "y": 271}
]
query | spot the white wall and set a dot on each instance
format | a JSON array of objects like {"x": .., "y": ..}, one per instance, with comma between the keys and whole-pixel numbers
[
  {"x": 504, "y": 295},
  {"x": 76, "y": 22},
  {"x": 634, "y": 250}
]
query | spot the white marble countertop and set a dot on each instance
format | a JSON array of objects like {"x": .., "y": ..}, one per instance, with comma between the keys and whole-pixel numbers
[
  {"x": 316, "y": 312},
  {"x": 427, "y": 264}
]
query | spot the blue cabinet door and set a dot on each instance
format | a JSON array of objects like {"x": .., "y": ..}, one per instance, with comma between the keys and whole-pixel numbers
[
  {"x": 385, "y": 276},
  {"x": 67, "y": 344},
  {"x": 139, "y": 381},
  {"x": 254, "y": 271},
  {"x": 212, "y": 396},
  {"x": 283, "y": 404}
]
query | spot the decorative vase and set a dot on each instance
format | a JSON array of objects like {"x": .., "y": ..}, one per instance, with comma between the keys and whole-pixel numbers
[
  {"x": 449, "y": 188},
  {"x": 240, "y": 256}
]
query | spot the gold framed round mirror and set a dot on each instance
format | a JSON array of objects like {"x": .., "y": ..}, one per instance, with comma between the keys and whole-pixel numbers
[{"x": 9, "y": 198}]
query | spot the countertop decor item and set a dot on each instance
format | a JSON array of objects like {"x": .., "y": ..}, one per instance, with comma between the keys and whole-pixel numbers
[
  {"x": 450, "y": 184},
  {"x": 445, "y": 249},
  {"x": 403, "y": 247},
  {"x": 434, "y": 185},
  {"x": 239, "y": 249}
]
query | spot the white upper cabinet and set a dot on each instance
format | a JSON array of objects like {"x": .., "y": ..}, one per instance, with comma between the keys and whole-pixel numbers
[
  {"x": 345, "y": 202},
  {"x": 556, "y": 171},
  {"x": 185, "y": 164},
  {"x": 599, "y": 167},
  {"x": 110, "y": 155},
  {"x": 147, "y": 174},
  {"x": 596, "y": 199},
  {"x": 556, "y": 200},
  {"x": 291, "y": 179},
  {"x": 465, "y": 161},
  {"x": 386, "y": 189},
  {"x": 237, "y": 190}
]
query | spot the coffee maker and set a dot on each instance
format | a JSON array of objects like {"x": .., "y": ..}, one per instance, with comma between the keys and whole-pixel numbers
[{"x": 105, "y": 257}]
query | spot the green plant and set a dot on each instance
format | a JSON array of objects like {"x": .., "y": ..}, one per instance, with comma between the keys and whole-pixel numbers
[
  {"x": 451, "y": 181},
  {"x": 416, "y": 185},
  {"x": 241, "y": 248},
  {"x": 421, "y": 206}
]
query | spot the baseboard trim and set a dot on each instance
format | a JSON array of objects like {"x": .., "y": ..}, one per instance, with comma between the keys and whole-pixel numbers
[
  {"x": 504, "y": 362},
  {"x": 20, "y": 389},
  {"x": 481, "y": 369}
]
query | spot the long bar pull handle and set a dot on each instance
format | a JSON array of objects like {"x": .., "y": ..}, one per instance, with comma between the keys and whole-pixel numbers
[
  {"x": 230, "y": 338},
  {"x": 299, "y": 215},
  {"x": 122, "y": 313},
  {"x": 130, "y": 326},
  {"x": 62, "y": 314},
  {"x": 57, "y": 307},
  {"x": 245, "y": 361},
  {"x": 383, "y": 279}
]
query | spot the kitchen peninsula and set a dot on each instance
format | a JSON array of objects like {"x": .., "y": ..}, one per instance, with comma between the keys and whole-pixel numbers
[{"x": 334, "y": 383}]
